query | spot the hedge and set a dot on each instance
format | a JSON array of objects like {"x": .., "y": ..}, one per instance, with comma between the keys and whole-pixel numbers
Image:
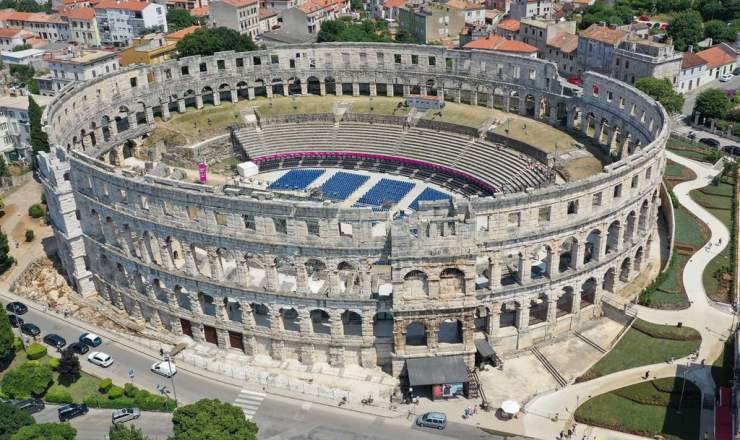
[
  {"x": 115, "y": 392},
  {"x": 105, "y": 385},
  {"x": 54, "y": 363},
  {"x": 17, "y": 343},
  {"x": 58, "y": 394},
  {"x": 131, "y": 396},
  {"x": 35, "y": 351},
  {"x": 673, "y": 333},
  {"x": 36, "y": 211}
]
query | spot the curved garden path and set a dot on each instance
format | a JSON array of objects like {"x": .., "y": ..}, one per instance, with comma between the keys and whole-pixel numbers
[{"x": 547, "y": 415}]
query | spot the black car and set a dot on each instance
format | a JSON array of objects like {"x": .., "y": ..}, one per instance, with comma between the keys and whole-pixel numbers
[
  {"x": 55, "y": 340},
  {"x": 16, "y": 307},
  {"x": 736, "y": 72},
  {"x": 78, "y": 347},
  {"x": 15, "y": 321},
  {"x": 709, "y": 141},
  {"x": 32, "y": 406},
  {"x": 732, "y": 149},
  {"x": 30, "y": 329},
  {"x": 71, "y": 411}
]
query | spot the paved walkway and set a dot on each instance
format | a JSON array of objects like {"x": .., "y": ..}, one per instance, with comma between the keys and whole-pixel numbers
[{"x": 547, "y": 415}]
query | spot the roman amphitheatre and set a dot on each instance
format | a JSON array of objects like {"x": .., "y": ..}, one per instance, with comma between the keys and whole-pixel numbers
[{"x": 368, "y": 232}]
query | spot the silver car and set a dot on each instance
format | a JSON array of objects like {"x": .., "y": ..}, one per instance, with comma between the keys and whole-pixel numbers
[
  {"x": 437, "y": 420},
  {"x": 125, "y": 414}
]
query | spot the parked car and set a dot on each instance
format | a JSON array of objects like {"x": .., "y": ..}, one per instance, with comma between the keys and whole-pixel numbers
[
  {"x": 125, "y": 414},
  {"x": 100, "y": 359},
  {"x": 16, "y": 307},
  {"x": 692, "y": 135},
  {"x": 30, "y": 329},
  {"x": 165, "y": 368},
  {"x": 709, "y": 141},
  {"x": 736, "y": 72},
  {"x": 71, "y": 411},
  {"x": 726, "y": 77},
  {"x": 91, "y": 339},
  {"x": 32, "y": 406},
  {"x": 55, "y": 340},
  {"x": 436, "y": 420},
  {"x": 15, "y": 321},
  {"x": 78, "y": 347}
]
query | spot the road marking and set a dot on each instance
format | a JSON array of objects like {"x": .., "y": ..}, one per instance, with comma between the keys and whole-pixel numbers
[{"x": 249, "y": 402}]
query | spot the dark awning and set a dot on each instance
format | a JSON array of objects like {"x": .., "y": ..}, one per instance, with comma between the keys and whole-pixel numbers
[
  {"x": 436, "y": 370},
  {"x": 484, "y": 348}
]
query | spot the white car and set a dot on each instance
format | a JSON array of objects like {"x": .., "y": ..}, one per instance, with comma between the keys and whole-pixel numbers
[
  {"x": 726, "y": 77},
  {"x": 165, "y": 368},
  {"x": 101, "y": 359}
]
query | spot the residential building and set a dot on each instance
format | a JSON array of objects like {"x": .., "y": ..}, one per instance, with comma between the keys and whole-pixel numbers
[
  {"x": 75, "y": 65},
  {"x": 268, "y": 20},
  {"x": 596, "y": 47},
  {"x": 239, "y": 15},
  {"x": 500, "y": 5},
  {"x": 46, "y": 26},
  {"x": 721, "y": 59},
  {"x": 501, "y": 44},
  {"x": 637, "y": 58},
  {"x": 12, "y": 37},
  {"x": 390, "y": 9},
  {"x": 312, "y": 13},
  {"x": 15, "y": 127},
  {"x": 28, "y": 57},
  {"x": 508, "y": 28},
  {"x": 561, "y": 49},
  {"x": 183, "y": 4},
  {"x": 431, "y": 22},
  {"x": 120, "y": 21},
  {"x": 693, "y": 72},
  {"x": 474, "y": 32},
  {"x": 154, "y": 48},
  {"x": 530, "y": 8},
  {"x": 538, "y": 32},
  {"x": 474, "y": 12},
  {"x": 83, "y": 26},
  {"x": 201, "y": 12}
]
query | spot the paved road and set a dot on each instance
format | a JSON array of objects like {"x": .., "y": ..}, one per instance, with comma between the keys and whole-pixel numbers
[
  {"x": 278, "y": 418},
  {"x": 690, "y": 98},
  {"x": 96, "y": 423}
]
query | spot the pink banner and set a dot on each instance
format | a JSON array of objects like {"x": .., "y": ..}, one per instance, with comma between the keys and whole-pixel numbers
[{"x": 202, "y": 168}]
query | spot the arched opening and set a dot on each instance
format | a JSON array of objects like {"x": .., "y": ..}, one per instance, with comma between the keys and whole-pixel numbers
[
  {"x": 242, "y": 90},
  {"x": 564, "y": 304},
  {"x": 286, "y": 273},
  {"x": 498, "y": 98},
  {"x": 588, "y": 292},
  {"x": 451, "y": 281},
  {"x": 612, "y": 237},
  {"x": 260, "y": 88},
  {"x": 568, "y": 255},
  {"x": 609, "y": 279},
  {"x": 593, "y": 242},
  {"x": 277, "y": 87},
  {"x": 313, "y": 85},
  {"x": 541, "y": 259},
  {"x": 538, "y": 310},
  {"x": 294, "y": 86},
  {"x": 291, "y": 321},
  {"x": 349, "y": 280},
  {"x": 415, "y": 283},
  {"x": 642, "y": 225},
  {"x": 317, "y": 275},
  {"x": 480, "y": 320},
  {"x": 416, "y": 334},
  {"x": 508, "y": 314},
  {"x": 233, "y": 310},
  {"x": 638, "y": 260},
  {"x": 261, "y": 315},
  {"x": 624, "y": 273},
  {"x": 320, "y": 322},
  {"x": 331, "y": 85},
  {"x": 450, "y": 332},
  {"x": 351, "y": 323},
  {"x": 514, "y": 102},
  {"x": 207, "y": 304},
  {"x": 224, "y": 92},
  {"x": 529, "y": 105},
  {"x": 383, "y": 325},
  {"x": 183, "y": 298},
  {"x": 629, "y": 232}
]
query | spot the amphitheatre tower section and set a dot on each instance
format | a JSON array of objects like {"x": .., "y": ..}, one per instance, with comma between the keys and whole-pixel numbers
[{"x": 520, "y": 248}]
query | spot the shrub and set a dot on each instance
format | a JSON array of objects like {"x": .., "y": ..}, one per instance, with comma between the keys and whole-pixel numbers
[
  {"x": 54, "y": 364},
  {"x": 35, "y": 351},
  {"x": 36, "y": 211},
  {"x": 130, "y": 390},
  {"x": 18, "y": 343},
  {"x": 30, "y": 379},
  {"x": 29, "y": 235},
  {"x": 115, "y": 392},
  {"x": 58, "y": 394},
  {"x": 105, "y": 385}
]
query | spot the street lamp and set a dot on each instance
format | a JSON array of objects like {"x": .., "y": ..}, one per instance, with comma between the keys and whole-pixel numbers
[{"x": 172, "y": 377}]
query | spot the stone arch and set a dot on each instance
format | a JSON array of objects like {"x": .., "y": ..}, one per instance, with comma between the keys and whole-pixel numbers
[
  {"x": 564, "y": 303},
  {"x": 612, "y": 236},
  {"x": 320, "y": 322},
  {"x": 183, "y": 297},
  {"x": 629, "y": 230},
  {"x": 416, "y": 283},
  {"x": 562, "y": 113},
  {"x": 207, "y": 304},
  {"x": 331, "y": 85},
  {"x": 499, "y": 98},
  {"x": 202, "y": 260},
  {"x": 317, "y": 274},
  {"x": 529, "y": 105},
  {"x": 349, "y": 280},
  {"x": 207, "y": 94},
  {"x": 416, "y": 334},
  {"x": 242, "y": 90},
  {"x": 260, "y": 87},
  {"x": 638, "y": 259},
  {"x": 290, "y": 319},
  {"x": 224, "y": 92},
  {"x": 255, "y": 271},
  {"x": 261, "y": 315},
  {"x": 538, "y": 309},
  {"x": 294, "y": 86},
  {"x": 590, "y": 127},
  {"x": 544, "y": 108},
  {"x": 610, "y": 278},
  {"x": 507, "y": 318},
  {"x": 624, "y": 271},
  {"x": 383, "y": 325},
  {"x": 541, "y": 259},
  {"x": 513, "y": 102},
  {"x": 286, "y": 274},
  {"x": 642, "y": 224},
  {"x": 450, "y": 332},
  {"x": 351, "y": 323},
  {"x": 568, "y": 254},
  {"x": 313, "y": 85},
  {"x": 451, "y": 281},
  {"x": 591, "y": 248},
  {"x": 588, "y": 292}
]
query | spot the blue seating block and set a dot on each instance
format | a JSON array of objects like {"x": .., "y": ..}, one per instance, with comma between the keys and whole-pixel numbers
[
  {"x": 296, "y": 179},
  {"x": 387, "y": 190},
  {"x": 428, "y": 194},
  {"x": 341, "y": 185}
]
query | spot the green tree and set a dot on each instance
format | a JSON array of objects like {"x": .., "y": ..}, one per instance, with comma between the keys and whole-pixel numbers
[
  {"x": 12, "y": 419},
  {"x": 209, "y": 419},
  {"x": 686, "y": 28},
  {"x": 404, "y": 36},
  {"x": 29, "y": 380},
  {"x": 718, "y": 31},
  {"x": 21, "y": 47},
  {"x": 712, "y": 103},
  {"x": 124, "y": 432},
  {"x": 7, "y": 345},
  {"x": 69, "y": 367},
  {"x": 601, "y": 12},
  {"x": 345, "y": 30},
  {"x": 179, "y": 18},
  {"x": 712, "y": 10},
  {"x": 5, "y": 259},
  {"x": 662, "y": 91},
  {"x": 4, "y": 172},
  {"x": 207, "y": 41},
  {"x": 46, "y": 431},
  {"x": 39, "y": 138}
]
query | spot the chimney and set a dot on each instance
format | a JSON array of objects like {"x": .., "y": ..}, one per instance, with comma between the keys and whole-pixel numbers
[{"x": 690, "y": 49}]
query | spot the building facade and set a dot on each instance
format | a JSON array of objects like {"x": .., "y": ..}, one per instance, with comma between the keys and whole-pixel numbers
[
  {"x": 120, "y": 21},
  {"x": 637, "y": 58},
  {"x": 75, "y": 65},
  {"x": 83, "y": 26},
  {"x": 15, "y": 127},
  {"x": 239, "y": 15},
  {"x": 431, "y": 22},
  {"x": 596, "y": 47}
]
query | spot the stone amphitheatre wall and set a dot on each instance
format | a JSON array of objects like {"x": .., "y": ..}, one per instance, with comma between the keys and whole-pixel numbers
[{"x": 313, "y": 282}]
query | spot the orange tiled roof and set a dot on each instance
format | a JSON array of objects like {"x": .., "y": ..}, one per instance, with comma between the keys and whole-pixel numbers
[
  {"x": 509, "y": 25},
  {"x": 10, "y": 32},
  {"x": 691, "y": 59},
  {"x": 462, "y": 4},
  {"x": 317, "y": 5},
  {"x": 239, "y": 3},
  {"x": 128, "y": 5},
  {"x": 501, "y": 44},
  {"x": 267, "y": 12},
  {"x": 34, "y": 17},
  {"x": 718, "y": 55},
  {"x": 199, "y": 12},
  {"x": 179, "y": 35},
  {"x": 390, "y": 4},
  {"x": 80, "y": 14},
  {"x": 603, "y": 34},
  {"x": 565, "y": 41}
]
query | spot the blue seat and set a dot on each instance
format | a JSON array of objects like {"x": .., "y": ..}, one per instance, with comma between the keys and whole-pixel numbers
[
  {"x": 426, "y": 195},
  {"x": 296, "y": 179},
  {"x": 386, "y": 190},
  {"x": 341, "y": 185}
]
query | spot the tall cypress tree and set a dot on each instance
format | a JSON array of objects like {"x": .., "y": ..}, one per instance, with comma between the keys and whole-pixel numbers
[
  {"x": 5, "y": 259},
  {"x": 39, "y": 139},
  {"x": 7, "y": 347}
]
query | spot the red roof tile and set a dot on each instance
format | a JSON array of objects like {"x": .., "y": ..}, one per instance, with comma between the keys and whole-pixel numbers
[
  {"x": 390, "y": 4},
  {"x": 691, "y": 59},
  {"x": 199, "y": 12},
  {"x": 603, "y": 34},
  {"x": 501, "y": 44},
  {"x": 129, "y": 5},
  {"x": 565, "y": 41},
  {"x": 509, "y": 25},
  {"x": 179, "y": 35},
  {"x": 80, "y": 14},
  {"x": 718, "y": 55}
]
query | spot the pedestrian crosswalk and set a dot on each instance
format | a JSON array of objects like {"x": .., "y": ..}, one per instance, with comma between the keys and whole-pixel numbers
[{"x": 249, "y": 402}]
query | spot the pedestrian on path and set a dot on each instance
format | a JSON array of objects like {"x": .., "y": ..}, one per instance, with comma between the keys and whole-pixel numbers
[{"x": 647, "y": 374}]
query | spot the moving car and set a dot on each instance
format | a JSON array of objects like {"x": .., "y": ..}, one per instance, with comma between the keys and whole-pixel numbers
[
  {"x": 125, "y": 414},
  {"x": 15, "y": 321},
  {"x": 709, "y": 141},
  {"x": 726, "y": 77},
  {"x": 32, "y": 406},
  {"x": 16, "y": 307},
  {"x": 436, "y": 420},
  {"x": 91, "y": 339},
  {"x": 30, "y": 329},
  {"x": 55, "y": 340},
  {"x": 78, "y": 347},
  {"x": 165, "y": 368},
  {"x": 101, "y": 359},
  {"x": 71, "y": 411}
]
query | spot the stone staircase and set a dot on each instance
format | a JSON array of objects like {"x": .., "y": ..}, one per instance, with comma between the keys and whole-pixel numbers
[{"x": 549, "y": 367}]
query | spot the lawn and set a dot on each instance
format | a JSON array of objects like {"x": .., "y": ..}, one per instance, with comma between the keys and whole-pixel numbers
[
  {"x": 692, "y": 150},
  {"x": 690, "y": 231},
  {"x": 380, "y": 104},
  {"x": 669, "y": 293},
  {"x": 646, "y": 344},
  {"x": 463, "y": 114},
  {"x": 648, "y": 409}
]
